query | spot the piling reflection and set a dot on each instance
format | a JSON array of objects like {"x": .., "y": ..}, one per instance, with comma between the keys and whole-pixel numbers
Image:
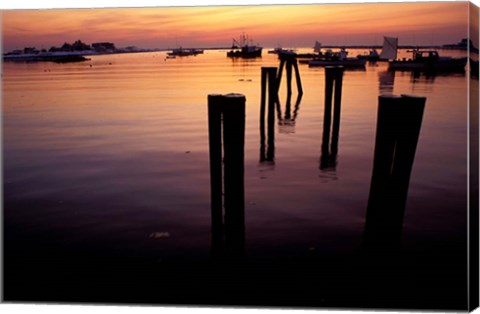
[
  {"x": 333, "y": 83},
  {"x": 386, "y": 81},
  {"x": 286, "y": 122},
  {"x": 398, "y": 127},
  {"x": 228, "y": 218}
]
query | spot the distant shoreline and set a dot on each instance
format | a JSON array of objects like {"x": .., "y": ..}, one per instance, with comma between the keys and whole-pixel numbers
[{"x": 79, "y": 56}]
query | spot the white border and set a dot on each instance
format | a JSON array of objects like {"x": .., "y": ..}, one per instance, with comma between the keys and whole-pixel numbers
[{"x": 74, "y": 309}]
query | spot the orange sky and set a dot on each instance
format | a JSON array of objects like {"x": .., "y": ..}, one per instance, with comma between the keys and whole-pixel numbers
[{"x": 288, "y": 25}]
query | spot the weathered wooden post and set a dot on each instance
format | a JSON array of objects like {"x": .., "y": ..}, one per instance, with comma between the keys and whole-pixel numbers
[
  {"x": 272, "y": 98},
  {"x": 289, "y": 66},
  {"x": 398, "y": 127},
  {"x": 297, "y": 76},
  {"x": 337, "y": 103},
  {"x": 263, "y": 96},
  {"x": 268, "y": 78},
  {"x": 215, "y": 103},
  {"x": 228, "y": 226},
  {"x": 280, "y": 71},
  {"x": 289, "y": 60},
  {"x": 327, "y": 117}
]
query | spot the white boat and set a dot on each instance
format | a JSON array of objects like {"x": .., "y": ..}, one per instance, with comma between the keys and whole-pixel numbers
[{"x": 389, "y": 51}]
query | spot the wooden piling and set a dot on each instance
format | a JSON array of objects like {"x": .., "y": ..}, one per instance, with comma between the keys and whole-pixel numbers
[
  {"x": 288, "y": 107},
  {"x": 263, "y": 95},
  {"x": 289, "y": 66},
  {"x": 268, "y": 91},
  {"x": 398, "y": 127},
  {"x": 280, "y": 72},
  {"x": 234, "y": 139},
  {"x": 297, "y": 76},
  {"x": 333, "y": 89},
  {"x": 337, "y": 103},
  {"x": 215, "y": 148},
  {"x": 327, "y": 115},
  {"x": 289, "y": 61},
  {"x": 272, "y": 98},
  {"x": 228, "y": 226}
]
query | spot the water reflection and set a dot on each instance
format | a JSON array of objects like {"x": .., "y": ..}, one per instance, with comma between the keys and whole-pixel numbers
[
  {"x": 398, "y": 127},
  {"x": 287, "y": 121},
  {"x": 386, "y": 81}
]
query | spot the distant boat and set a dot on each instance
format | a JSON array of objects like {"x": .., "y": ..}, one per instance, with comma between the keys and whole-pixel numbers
[
  {"x": 429, "y": 60},
  {"x": 389, "y": 51},
  {"x": 371, "y": 56},
  {"x": 280, "y": 50},
  {"x": 243, "y": 49},
  {"x": 184, "y": 52},
  {"x": 331, "y": 58}
]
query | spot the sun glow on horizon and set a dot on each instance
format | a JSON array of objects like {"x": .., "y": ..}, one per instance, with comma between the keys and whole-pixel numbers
[{"x": 215, "y": 26}]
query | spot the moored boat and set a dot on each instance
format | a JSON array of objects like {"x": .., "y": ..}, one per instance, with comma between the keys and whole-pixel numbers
[
  {"x": 184, "y": 52},
  {"x": 428, "y": 60},
  {"x": 243, "y": 48},
  {"x": 330, "y": 58},
  {"x": 371, "y": 56},
  {"x": 280, "y": 50},
  {"x": 389, "y": 51}
]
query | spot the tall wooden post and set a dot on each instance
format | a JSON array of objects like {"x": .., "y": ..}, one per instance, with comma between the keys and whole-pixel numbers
[
  {"x": 269, "y": 86},
  {"x": 272, "y": 98},
  {"x": 297, "y": 76},
  {"x": 289, "y": 65},
  {"x": 215, "y": 103},
  {"x": 234, "y": 139},
  {"x": 337, "y": 103},
  {"x": 333, "y": 84},
  {"x": 228, "y": 225},
  {"x": 398, "y": 127},
  {"x": 263, "y": 96},
  {"x": 327, "y": 117}
]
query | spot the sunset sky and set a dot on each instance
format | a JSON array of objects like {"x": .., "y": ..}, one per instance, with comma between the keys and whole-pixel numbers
[{"x": 287, "y": 25}]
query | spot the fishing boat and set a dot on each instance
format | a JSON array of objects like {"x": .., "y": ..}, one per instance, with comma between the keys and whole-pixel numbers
[
  {"x": 243, "y": 48},
  {"x": 184, "y": 52},
  {"x": 428, "y": 60},
  {"x": 331, "y": 58}
]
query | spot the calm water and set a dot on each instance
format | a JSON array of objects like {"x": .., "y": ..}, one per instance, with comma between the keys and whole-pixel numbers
[
  {"x": 111, "y": 156},
  {"x": 114, "y": 149}
]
